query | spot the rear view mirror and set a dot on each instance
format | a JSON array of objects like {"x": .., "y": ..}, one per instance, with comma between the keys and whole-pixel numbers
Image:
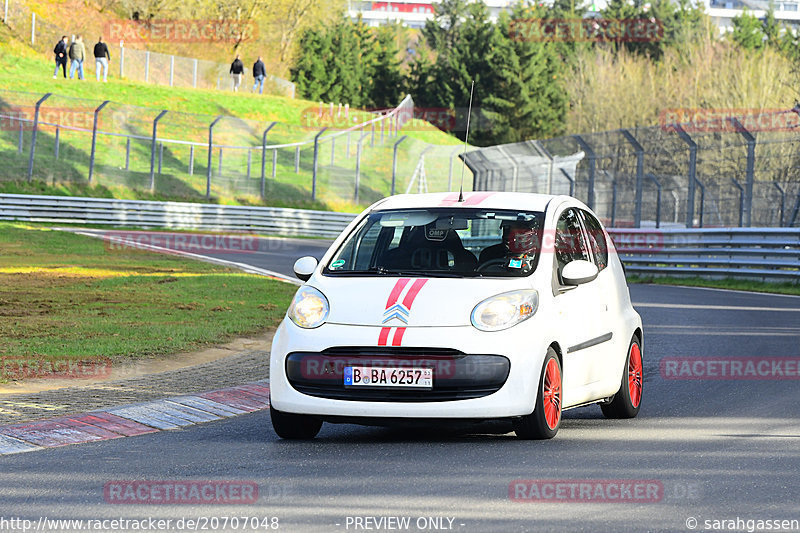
[
  {"x": 304, "y": 267},
  {"x": 579, "y": 272}
]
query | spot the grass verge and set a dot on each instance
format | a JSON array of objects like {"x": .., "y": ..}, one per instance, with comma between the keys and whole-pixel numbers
[
  {"x": 727, "y": 283},
  {"x": 66, "y": 296}
]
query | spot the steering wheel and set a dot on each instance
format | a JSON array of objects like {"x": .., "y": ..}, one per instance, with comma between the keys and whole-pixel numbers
[{"x": 498, "y": 262}]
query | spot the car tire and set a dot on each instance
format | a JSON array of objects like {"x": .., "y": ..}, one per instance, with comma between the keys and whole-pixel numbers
[
  {"x": 544, "y": 421},
  {"x": 294, "y": 427},
  {"x": 628, "y": 399}
]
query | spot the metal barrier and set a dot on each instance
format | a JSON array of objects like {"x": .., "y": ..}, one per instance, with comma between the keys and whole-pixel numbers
[
  {"x": 768, "y": 254},
  {"x": 758, "y": 253},
  {"x": 174, "y": 215}
]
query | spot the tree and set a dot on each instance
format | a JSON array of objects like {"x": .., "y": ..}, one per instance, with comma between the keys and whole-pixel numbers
[{"x": 748, "y": 31}]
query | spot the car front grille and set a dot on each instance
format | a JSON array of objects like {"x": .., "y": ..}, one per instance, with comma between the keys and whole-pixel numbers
[{"x": 456, "y": 376}]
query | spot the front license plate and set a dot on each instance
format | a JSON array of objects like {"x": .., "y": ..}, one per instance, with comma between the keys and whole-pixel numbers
[{"x": 369, "y": 376}]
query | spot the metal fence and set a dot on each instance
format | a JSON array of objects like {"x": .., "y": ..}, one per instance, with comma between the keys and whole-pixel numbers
[
  {"x": 769, "y": 254},
  {"x": 708, "y": 173},
  {"x": 182, "y": 155},
  {"x": 135, "y": 64}
]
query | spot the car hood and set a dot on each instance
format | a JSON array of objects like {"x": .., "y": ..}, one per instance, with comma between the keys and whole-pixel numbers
[{"x": 408, "y": 301}]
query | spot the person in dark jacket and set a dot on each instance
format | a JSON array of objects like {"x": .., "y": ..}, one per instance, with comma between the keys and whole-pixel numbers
[
  {"x": 237, "y": 69},
  {"x": 259, "y": 73},
  {"x": 60, "y": 52},
  {"x": 101, "y": 59},
  {"x": 77, "y": 53}
]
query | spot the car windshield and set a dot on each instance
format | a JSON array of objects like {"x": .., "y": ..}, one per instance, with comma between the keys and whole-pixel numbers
[{"x": 443, "y": 242}]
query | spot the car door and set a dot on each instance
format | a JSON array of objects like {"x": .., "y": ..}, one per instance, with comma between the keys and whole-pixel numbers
[
  {"x": 578, "y": 310},
  {"x": 604, "y": 286}
]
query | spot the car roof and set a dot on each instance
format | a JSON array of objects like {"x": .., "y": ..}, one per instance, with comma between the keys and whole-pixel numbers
[{"x": 480, "y": 199}]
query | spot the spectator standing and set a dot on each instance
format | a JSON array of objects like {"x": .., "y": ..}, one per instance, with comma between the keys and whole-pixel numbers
[
  {"x": 60, "y": 52},
  {"x": 259, "y": 73},
  {"x": 101, "y": 59},
  {"x": 237, "y": 69},
  {"x": 77, "y": 53}
]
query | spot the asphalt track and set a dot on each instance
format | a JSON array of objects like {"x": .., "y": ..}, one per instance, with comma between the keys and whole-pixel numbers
[{"x": 715, "y": 449}]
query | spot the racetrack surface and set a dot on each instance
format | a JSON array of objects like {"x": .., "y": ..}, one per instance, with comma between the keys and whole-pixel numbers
[{"x": 717, "y": 449}]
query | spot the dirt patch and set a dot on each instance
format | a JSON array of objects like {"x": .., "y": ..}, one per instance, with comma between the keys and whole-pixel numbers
[{"x": 138, "y": 368}]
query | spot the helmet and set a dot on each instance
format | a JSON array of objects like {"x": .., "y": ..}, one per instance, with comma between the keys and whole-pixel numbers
[{"x": 520, "y": 239}]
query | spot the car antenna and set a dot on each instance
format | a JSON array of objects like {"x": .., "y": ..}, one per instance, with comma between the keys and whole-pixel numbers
[{"x": 466, "y": 137}]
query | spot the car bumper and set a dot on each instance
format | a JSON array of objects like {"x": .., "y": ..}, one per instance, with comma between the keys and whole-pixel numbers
[{"x": 480, "y": 365}]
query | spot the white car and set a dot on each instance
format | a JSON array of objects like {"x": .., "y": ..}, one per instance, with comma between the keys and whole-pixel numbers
[{"x": 448, "y": 307}]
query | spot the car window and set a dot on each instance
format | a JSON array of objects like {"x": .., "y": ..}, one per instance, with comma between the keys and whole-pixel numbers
[
  {"x": 597, "y": 240},
  {"x": 445, "y": 241},
  {"x": 569, "y": 241}
]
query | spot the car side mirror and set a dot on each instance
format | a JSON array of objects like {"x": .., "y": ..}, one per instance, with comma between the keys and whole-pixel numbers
[
  {"x": 305, "y": 267},
  {"x": 579, "y": 272}
]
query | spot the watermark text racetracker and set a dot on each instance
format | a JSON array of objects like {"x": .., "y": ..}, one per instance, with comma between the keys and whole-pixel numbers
[
  {"x": 194, "y": 523},
  {"x": 183, "y": 242},
  {"x": 596, "y": 30},
  {"x": 24, "y": 367},
  {"x": 181, "y": 31},
  {"x": 730, "y": 368}
]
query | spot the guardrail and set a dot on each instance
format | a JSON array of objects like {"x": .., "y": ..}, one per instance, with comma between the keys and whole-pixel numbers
[
  {"x": 771, "y": 254},
  {"x": 173, "y": 215},
  {"x": 768, "y": 254}
]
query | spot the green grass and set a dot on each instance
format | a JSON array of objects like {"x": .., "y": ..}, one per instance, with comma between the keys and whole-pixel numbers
[
  {"x": 190, "y": 112},
  {"x": 68, "y": 296},
  {"x": 727, "y": 283}
]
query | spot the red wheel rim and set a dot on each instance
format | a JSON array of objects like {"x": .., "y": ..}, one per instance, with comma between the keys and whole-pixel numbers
[
  {"x": 551, "y": 394},
  {"x": 635, "y": 375}
]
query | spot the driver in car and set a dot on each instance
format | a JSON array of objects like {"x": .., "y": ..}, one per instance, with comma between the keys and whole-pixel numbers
[{"x": 521, "y": 244}]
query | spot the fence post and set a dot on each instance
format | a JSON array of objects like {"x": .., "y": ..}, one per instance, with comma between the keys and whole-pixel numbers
[
  {"x": 571, "y": 181},
  {"x": 637, "y": 208},
  {"x": 394, "y": 162},
  {"x": 264, "y": 160},
  {"x": 783, "y": 201},
  {"x": 147, "y": 66},
  {"x": 121, "y": 59},
  {"x": 314, "y": 171},
  {"x": 333, "y": 151},
  {"x": 613, "y": 203},
  {"x": 33, "y": 29},
  {"x": 692, "y": 173},
  {"x": 194, "y": 73},
  {"x": 702, "y": 200},
  {"x": 249, "y": 161},
  {"x": 210, "y": 155},
  {"x": 21, "y": 136},
  {"x": 741, "y": 200},
  {"x": 191, "y": 160},
  {"x": 33, "y": 133},
  {"x": 450, "y": 171},
  {"x": 57, "y": 143},
  {"x": 383, "y": 125},
  {"x": 274, "y": 162},
  {"x": 658, "y": 199},
  {"x": 94, "y": 138},
  {"x": 153, "y": 151},
  {"x": 219, "y": 162},
  {"x": 592, "y": 158},
  {"x": 127, "y": 153},
  {"x": 5, "y": 13},
  {"x": 372, "y": 139},
  {"x": 749, "y": 173},
  {"x": 297, "y": 159},
  {"x": 790, "y": 222},
  {"x": 171, "y": 69}
]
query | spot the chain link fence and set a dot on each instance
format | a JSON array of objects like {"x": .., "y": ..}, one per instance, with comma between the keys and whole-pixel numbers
[
  {"x": 135, "y": 64},
  {"x": 173, "y": 155},
  {"x": 733, "y": 169}
]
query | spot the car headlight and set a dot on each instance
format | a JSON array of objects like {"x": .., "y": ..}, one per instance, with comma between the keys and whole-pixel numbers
[
  {"x": 309, "y": 308},
  {"x": 505, "y": 310}
]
